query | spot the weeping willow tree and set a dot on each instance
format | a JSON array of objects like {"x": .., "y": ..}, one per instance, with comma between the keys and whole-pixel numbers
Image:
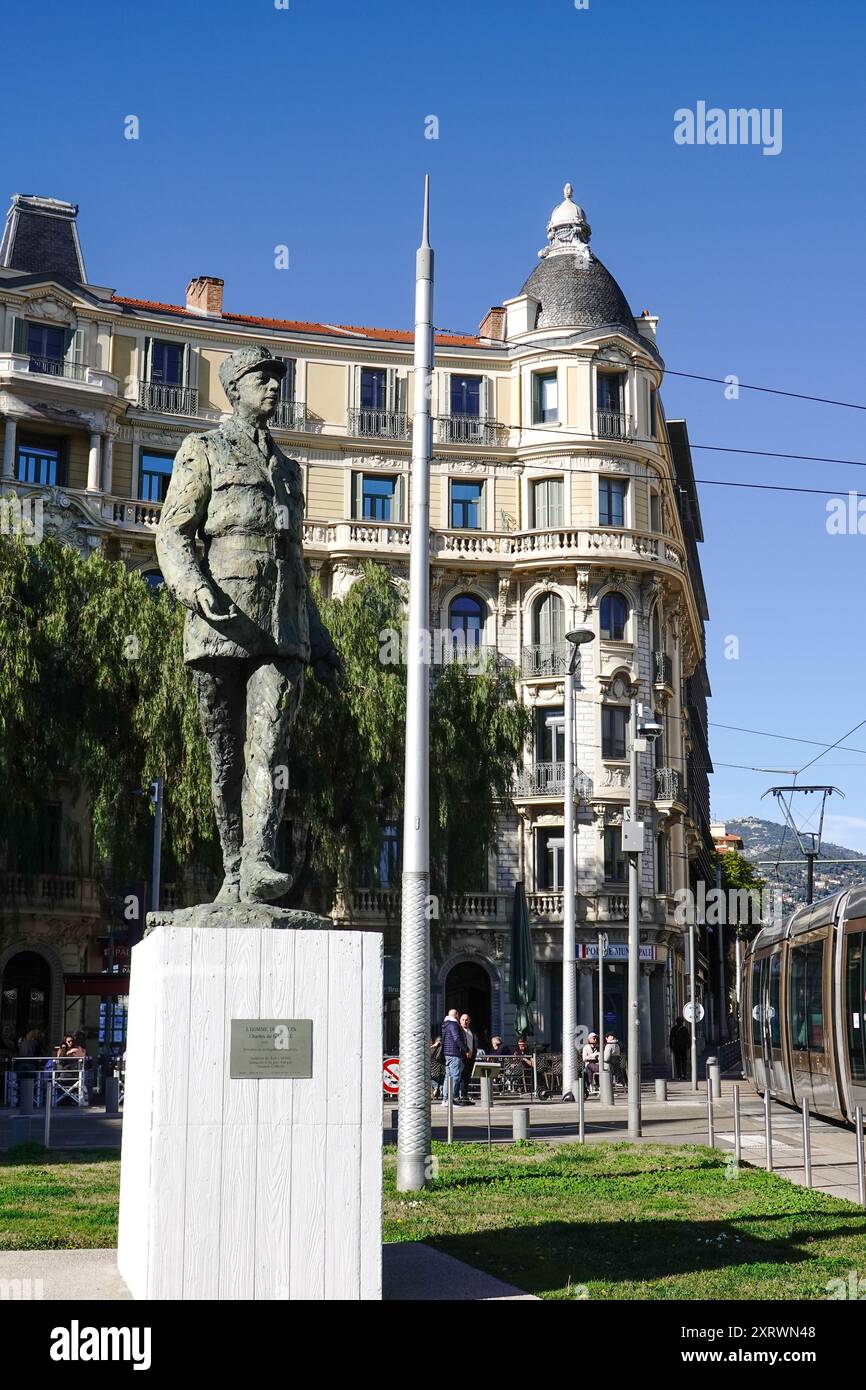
[{"x": 94, "y": 697}]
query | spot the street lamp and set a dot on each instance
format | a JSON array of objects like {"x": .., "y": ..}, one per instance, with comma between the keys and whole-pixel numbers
[
  {"x": 644, "y": 731},
  {"x": 578, "y": 637}
]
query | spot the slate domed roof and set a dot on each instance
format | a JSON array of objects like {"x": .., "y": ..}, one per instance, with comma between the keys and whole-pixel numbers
[
  {"x": 577, "y": 293},
  {"x": 573, "y": 287}
]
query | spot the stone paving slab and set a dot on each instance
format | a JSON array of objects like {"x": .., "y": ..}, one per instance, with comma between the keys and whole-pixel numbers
[{"x": 411, "y": 1272}]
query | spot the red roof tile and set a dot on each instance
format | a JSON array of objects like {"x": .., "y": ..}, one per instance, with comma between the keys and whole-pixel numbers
[{"x": 340, "y": 330}]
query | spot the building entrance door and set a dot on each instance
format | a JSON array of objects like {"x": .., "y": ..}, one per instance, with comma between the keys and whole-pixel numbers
[
  {"x": 467, "y": 989},
  {"x": 26, "y": 997}
]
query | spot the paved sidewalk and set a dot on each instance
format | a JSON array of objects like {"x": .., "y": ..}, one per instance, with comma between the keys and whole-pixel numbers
[{"x": 411, "y": 1272}]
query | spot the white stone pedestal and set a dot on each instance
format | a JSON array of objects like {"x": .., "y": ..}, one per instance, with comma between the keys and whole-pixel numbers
[{"x": 252, "y": 1189}]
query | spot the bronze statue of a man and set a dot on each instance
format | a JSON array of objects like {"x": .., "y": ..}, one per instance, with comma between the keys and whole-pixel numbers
[{"x": 229, "y": 543}]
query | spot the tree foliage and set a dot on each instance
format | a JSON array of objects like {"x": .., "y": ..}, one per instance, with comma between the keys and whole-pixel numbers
[{"x": 94, "y": 696}]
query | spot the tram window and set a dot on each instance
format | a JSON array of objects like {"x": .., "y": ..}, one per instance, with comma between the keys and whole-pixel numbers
[
  {"x": 756, "y": 1003},
  {"x": 775, "y": 997},
  {"x": 856, "y": 1002},
  {"x": 807, "y": 997}
]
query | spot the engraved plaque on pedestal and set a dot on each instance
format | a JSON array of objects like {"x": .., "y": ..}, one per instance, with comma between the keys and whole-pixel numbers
[{"x": 271, "y": 1049}]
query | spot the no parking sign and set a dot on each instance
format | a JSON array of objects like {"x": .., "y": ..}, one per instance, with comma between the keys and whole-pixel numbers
[{"x": 391, "y": 1075}]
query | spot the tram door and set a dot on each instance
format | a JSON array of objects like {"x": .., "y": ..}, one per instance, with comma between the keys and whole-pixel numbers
[
  {"x": 775, "y": 1059},
  {"x": 854, "y": 1012},
  {"x": 811, "y": 1045},
  {"x": 761, "y": 1056}
]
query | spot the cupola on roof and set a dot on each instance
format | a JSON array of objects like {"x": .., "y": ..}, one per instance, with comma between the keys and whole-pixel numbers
[{"x": 572, "y": 286}]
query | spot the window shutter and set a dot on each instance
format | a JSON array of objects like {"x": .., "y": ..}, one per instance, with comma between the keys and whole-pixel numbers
[
  {"x": 148, "y": 359},
  {"x": 400, "y": 499},
  {"x": 75, "y": 346},
  {"x": 540, "y": 496},
  {"x": 488, "y": 398},
  {"x": 482, "y": 504},
  {"x": 557, "y": 505},
  {"x": 391, "y": 397},
  {"x": 357, "y": 495},
  {"x": 19, "y": 334}
]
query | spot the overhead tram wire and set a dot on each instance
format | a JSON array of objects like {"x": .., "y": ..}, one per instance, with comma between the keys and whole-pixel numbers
[{"x": 767, "y": 390}]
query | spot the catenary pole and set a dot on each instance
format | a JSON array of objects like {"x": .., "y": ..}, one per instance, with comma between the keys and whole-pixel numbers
[
  {"x": 413, "y": 1143},
  {"x": 569, "y": 983}
]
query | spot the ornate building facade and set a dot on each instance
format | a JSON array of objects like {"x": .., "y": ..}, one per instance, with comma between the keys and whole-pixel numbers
[{"x": 560, "y": 495}]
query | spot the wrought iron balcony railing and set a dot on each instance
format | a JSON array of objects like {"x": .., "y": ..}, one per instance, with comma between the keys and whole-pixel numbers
[
  {"x": 470, "y": 429},
  {"x": 289, "y": 415},
  {"x": 614, "y": 424},
  {"x": 663, "y": 669},
  {"x": 168, "y": 400},
  {"x": 382, "y": 424},
  {"x": 58, "y": 366},
  {"x": 668, "y": 784},
  {"x": 548, "y": 779},
  {"x": 544, "y": 659}
]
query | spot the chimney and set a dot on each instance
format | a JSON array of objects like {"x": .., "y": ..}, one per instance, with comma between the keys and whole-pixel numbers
[
  {"x": 204, "y": 295},
  {"x": 493, "y": 324}
]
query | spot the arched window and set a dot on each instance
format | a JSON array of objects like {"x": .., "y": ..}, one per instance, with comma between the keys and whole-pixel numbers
[
  {"x": 153, "y": 579},
  {"x": 614, "y": 616},
  {"x": 466, "y": 620},
  {"x": 548, "y": 621}
]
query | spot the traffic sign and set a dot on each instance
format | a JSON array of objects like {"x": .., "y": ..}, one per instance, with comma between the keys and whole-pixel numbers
[
  {"x": 698, "y": 1011},
  {"x": 391, "y": 1075}
]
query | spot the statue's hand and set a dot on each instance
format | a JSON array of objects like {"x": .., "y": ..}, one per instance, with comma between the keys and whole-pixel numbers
[
  {"x": 214, "y": 607},
  {"x": 327, "y": 670}
]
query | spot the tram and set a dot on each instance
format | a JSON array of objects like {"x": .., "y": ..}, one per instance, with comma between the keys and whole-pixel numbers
[{"x": 803, "y": 1006}]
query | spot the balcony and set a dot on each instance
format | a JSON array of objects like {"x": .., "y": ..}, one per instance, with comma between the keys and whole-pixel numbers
[
  {"x": 544, "y": 659},
  {"x": 663, "y": 669},
  {"x": 131, "y": 514},
  {"x": 548, "y": 779},
  {"x": 476, "y": 659},
  {"x": 49, "y": 892},
  {"x": 379, "y": 424},
  {"x": 614, "y": 424},
  {"x": 18, "y": 365},
  {"x": 470, "y": 429},
  {"x": 167, "y": 400},
  {"x": 669, "y": 784},
  {"x": 289, "y": 415}
]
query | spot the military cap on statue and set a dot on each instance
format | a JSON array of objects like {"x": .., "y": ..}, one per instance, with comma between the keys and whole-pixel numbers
[{"x": 249, "y": 359}]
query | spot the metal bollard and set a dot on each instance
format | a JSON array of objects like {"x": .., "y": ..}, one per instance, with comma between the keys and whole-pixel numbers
[
  {"x": 20, "y": 1127},
  {"x": 714, "y": 1077},
  {"x": 520, "y": 1122},
  {"x": 661, "y": 1088},
  {"x": 807, "y": 1145},
  {"x": 861, "y": 1166},
  {"x": 581, "y": 1111},
  {"x": 738, "y": 1138},
  {"x": 450, "y": 1110},
  {"x": 112, "y": 1101},
  {"x": 605, "y": 1087},
  {"x": 395, "y": 1120},
  {"x": 711, "y": 1129},
  {"x": 48, "y": 1091},
  {"x": 25, "y": 1093},
  {"x": 768, "y": 1132}
]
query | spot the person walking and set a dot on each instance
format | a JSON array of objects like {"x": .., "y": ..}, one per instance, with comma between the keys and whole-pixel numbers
[
  {"x": 680, "y": 1043},
  {"x": 590, "y": 1062},
  {"x": 437, "y": 1067},
  {"x": 454, "y": 1052},
  {"x": 469, "y": 1060}
]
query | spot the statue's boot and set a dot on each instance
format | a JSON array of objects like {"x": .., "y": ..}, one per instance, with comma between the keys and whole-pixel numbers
[
  {"x": 221, "y": 697},
  {"x": 273, "y": 696}
]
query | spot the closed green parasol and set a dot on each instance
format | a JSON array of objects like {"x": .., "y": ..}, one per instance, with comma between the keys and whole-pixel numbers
[{"x": 523, "y": 985}]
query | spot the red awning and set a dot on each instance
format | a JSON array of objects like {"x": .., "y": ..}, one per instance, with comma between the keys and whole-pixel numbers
[{"x": 98, "y": 984}]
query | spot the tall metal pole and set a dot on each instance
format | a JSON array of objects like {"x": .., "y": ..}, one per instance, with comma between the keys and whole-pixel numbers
[
  {"x": 156, "y": 790},
  {"x": 413, "y": 1142},
  {"x": 693, "y": 1021},
  {"x": 601, "y": 956},
  {"x": 634, "y": 1125},
  {"x": 569, "y": 983},
  {"x": 723, "y": 917},
  {"x": 810, "y": 877}
]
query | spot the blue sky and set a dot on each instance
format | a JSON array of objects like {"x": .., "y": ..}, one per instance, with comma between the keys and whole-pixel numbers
[{"x": 305, "y": 126}]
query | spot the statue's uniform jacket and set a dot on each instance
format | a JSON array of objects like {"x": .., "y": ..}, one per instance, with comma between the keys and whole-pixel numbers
[{"x": 234, "y": 514}]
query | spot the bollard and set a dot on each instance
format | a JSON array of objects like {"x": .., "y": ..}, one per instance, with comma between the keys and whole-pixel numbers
[
  {"x": 738, "y": 1140},
  {"x": 48, "y": 1091},
  {"x": 711, "y": 1129},
  {"x": 20, "y": 1126},
  {"x": 450, "y": 1110},
  {"x": 395, "y": 1121},
  {"x": 807, "y": 1145},
  {"x": 861, "y": 1166},
  {"x": 714, "y": 1076},
  {"x": 520, "y": 1122},
  {"x": 605, "y": 1087},
  {"x": 25, "y": 1093},
  {"x": 768, "y": 1132},
  {"x": 112, "y": 1101},
  {"x": 487, "y": 1102},
  {"x": 581, "y": 1111},
  {"x": 661, "y": 1088}
]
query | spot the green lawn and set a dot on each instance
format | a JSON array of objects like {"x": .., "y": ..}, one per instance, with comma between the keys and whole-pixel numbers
[
  {"x": 622, "y": 1221},
  {"x": 558, "y": 1220},
  {"x": 58, "y": 1200}
]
